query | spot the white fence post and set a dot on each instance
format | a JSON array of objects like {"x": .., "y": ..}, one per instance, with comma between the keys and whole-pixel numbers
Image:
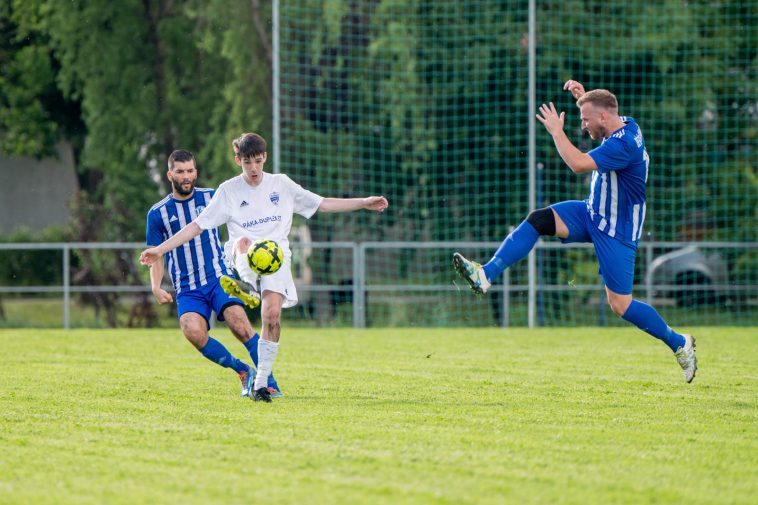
[{"x": 66, "y": 286}]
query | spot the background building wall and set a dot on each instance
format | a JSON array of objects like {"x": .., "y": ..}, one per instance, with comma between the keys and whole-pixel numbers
[{"x": 36, "y": 193}]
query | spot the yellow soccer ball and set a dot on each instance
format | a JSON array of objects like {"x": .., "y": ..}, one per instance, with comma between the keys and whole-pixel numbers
[{"x": 265, "y": 257}]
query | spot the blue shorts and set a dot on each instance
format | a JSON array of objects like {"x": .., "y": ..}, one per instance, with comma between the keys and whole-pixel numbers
[
  {"x": 204, "y": 299},
  {"x": 616, "y": 258}
]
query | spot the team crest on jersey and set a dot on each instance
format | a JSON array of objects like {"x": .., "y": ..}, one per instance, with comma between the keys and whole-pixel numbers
[
  {"x": 199, "y": 209},
  {"x": 274, "y": 197}
]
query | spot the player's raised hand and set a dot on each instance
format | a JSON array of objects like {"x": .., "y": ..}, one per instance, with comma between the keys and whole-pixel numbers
[
  {"x": 149, "y": 256},
  {"x": 375, "y": 203},
  {"x": 551, "y": 119},
  {"x": 575, "y": 87}
]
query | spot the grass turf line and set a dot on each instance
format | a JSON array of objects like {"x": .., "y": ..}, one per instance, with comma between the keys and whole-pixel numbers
[{"x": 581, "y": 415}]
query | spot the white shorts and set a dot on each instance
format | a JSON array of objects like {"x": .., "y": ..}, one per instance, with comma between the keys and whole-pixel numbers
[{"x": 279, "y": 282}]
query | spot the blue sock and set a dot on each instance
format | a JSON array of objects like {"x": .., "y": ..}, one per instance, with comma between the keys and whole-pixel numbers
[
  {"x": 216, "y": 352},
  {"x": 252, "y": 348},
  {"x": 647, "y": 319},
  {"x": 516, "y": 245}
]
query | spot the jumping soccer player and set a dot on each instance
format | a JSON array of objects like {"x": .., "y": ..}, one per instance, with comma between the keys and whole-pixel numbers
[
  {"x": 611, "y": 218},
  {"x": 195, "y": 271},
  {"x": 257, "y": 205}
]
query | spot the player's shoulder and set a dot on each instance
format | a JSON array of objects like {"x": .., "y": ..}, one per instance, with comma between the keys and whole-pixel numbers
[
  {"x": 230, "y": 184},
  {"x": 204, "y": 191},
  {"x": 634, "y": 132},
  {"x": 629, "y": 134},
  {"x": 283, "y": 181},
  {"x": 630, "y": 126},
  {"x": 279, "y": 177},
  {"x": 162, "y": 202}
]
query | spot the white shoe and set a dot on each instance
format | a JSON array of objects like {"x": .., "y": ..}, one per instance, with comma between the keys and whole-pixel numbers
[
  {"x": 686, "y": 358},
  {"x": 472, "y": 272}
]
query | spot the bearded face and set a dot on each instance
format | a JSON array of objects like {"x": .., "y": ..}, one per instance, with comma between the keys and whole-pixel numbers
[
  {"x": 183, "y": 178},
  {"x": 183, "y": 186}
]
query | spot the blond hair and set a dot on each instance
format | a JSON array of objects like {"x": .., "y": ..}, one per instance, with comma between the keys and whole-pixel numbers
[{"x": 600, "y": 98}]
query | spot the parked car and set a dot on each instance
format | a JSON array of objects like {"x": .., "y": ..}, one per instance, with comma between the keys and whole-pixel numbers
[{"x": 688, "y": 275}]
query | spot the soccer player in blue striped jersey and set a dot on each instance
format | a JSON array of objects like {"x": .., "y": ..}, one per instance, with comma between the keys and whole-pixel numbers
[
  {"x": 611, "y": 217},
  {"x": 195, "y": 270}
]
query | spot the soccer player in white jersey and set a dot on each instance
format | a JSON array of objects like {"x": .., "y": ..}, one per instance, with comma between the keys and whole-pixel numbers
[
  {"x": 611, "y": 218},
  {"x": 258, "y": 205},
  {"x": 195, "y": 271}
]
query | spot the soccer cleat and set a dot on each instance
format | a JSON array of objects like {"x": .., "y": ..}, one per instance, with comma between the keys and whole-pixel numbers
[
  {"x": 273, "y": 387},
  {"x": 274, "y": 393},
  {"x": 247, "y": 378},
  {"x": 472, "y": 272},
  {"x": 261, "y": 395},
  {"x": 241, "y": 290},
  {"x": 686, "y": 358}
]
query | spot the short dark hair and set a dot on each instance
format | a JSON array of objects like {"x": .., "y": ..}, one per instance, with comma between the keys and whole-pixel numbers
[
  {"x": 249, "y": 144},
  {"x": 180, "y": 155},
  {"x": 599, "y": 97}
]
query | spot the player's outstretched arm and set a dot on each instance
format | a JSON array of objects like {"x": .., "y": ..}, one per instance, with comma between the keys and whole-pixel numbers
[
  {"x": 153, "y": 254},
  {"x": 575, "y": 87},
  {"x": 577, "y": 161},
  {"x": 375, "y": 203}
]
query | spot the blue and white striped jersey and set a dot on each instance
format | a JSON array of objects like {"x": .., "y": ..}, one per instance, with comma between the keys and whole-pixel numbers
[
  {"x": 201, "y": 259},
  {"x": 617, "y": 191}
]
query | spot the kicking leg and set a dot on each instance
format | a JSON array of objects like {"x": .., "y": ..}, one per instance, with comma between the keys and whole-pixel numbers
[
  {"x": 243, "y": 287},
  {"x": 516, "y": 246}
]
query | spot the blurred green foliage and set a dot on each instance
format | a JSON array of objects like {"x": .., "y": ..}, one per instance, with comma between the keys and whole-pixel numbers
[{"x": 425, "y": 102}]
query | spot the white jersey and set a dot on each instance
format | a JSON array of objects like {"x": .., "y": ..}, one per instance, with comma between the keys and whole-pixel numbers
[{"x": 258, "y": 212}]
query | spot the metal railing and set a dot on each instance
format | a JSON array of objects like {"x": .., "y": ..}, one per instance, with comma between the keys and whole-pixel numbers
[{"x": 360, "y": 288}]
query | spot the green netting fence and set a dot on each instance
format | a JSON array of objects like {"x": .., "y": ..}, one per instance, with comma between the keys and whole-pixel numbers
[{"x": 427, "y": 102}]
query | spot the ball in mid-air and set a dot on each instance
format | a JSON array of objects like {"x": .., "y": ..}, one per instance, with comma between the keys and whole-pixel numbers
[{"x": 265, "y": 257}]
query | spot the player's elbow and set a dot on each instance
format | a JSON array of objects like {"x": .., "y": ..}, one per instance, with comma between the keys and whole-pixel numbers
[
  {"x": 328, "y": 205},
  {"x": 579, "y": 169},
  {"x": 582, "y": 165}
]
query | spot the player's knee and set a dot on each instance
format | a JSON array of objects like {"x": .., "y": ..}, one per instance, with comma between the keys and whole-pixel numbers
[
  {"x": 543, "y": 221},
  {"x": 619, "y": 303},
  {"x": 195, "y": 330},
  {"x": 271, "y": 314},
  {"x": 242, "y": 244},
  {"x": 196, "y": 336}
]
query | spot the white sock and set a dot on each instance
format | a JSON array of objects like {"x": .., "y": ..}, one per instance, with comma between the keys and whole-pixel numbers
[{"x": 267, "y": 351}]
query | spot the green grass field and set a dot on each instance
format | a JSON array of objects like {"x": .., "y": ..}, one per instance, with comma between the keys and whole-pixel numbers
[{"x": 581, "y": 415}]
